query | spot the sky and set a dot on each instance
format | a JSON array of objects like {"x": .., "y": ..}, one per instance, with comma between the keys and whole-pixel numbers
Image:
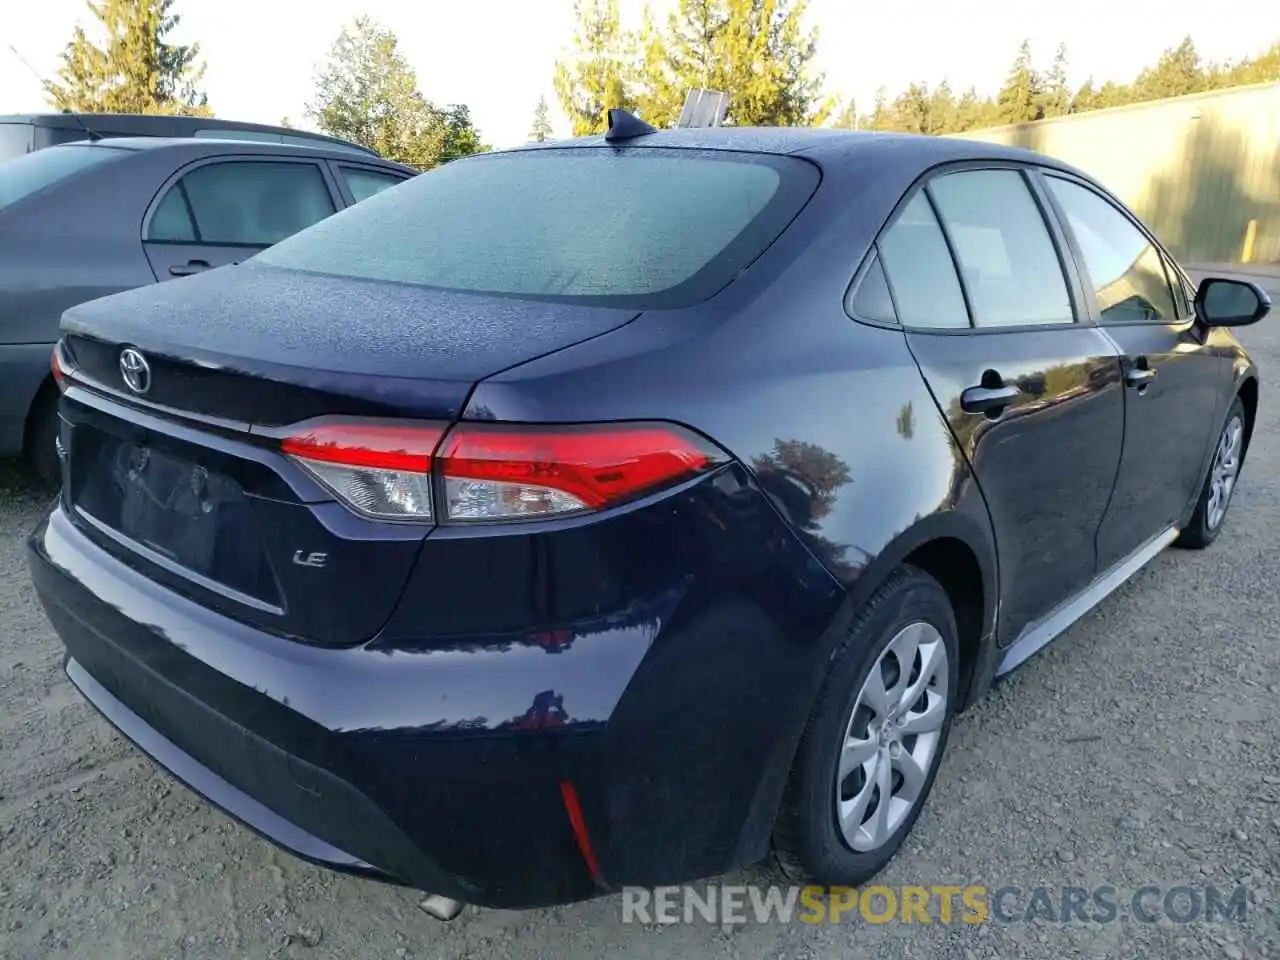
[{"x": 498, "y": 56}]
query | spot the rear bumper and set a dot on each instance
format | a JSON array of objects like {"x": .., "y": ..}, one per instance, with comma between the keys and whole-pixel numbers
[
  {"x": 209, "y": 785},
  {"x": 443, "y": 769}
]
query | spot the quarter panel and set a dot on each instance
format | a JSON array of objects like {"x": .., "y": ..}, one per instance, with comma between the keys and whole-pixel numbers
[
  {"x": 831, "y": 416},
  {"x": 77, "y": 241}
]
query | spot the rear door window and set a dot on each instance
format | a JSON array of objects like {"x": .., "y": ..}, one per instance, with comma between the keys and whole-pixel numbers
[
  {"x": 301, "y": 140},
  {"x": 23, "y": 176},
  {"x": 364, "y": 183},
  {"x": 241, "y": 203},
  {"x": 15, "y": 140},
  {"x": 258, "y": 136},
  {"x": 920, "y": 271},
  {"x": 872, "y": 300},
  {"x": 1010, "y": 266},
  {"x": 643, "y": 227}
]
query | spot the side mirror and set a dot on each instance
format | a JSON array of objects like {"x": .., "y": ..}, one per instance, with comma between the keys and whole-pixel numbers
[{"x": 1231, "y": 303}]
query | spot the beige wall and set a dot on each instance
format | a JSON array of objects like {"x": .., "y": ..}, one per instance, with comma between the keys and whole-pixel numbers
[{"x": 1197, "y": 169}]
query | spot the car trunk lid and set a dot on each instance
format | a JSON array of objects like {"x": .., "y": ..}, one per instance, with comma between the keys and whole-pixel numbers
[
  {"x": 185, "y": 479},
  {"x": 262, "y": 345}
]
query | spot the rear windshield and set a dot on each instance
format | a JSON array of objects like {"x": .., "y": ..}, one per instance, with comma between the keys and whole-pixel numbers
[
  {"x": 23, "y": 176},
  {"x": 630, "y": 227},
  {"x": 15, "y": 140}
]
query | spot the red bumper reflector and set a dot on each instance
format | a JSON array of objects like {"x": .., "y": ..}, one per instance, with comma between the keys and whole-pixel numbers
[{"x": 574, "y": 809}]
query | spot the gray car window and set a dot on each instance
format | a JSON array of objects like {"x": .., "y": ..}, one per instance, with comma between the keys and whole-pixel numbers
[
  {"x": 363, "y": 184},
  {"x": 872, "y": 300},
  {"x": 216, "y": 133},
  {"x": 644, "y": 227},
  {"x": 15, "y": 139},
  {"x": 253, "y": 203},
  {"x": 915, "y": 258},
  {"x": 1126, "y": 269},
  {"x": 171, "y": 223},
  {"x": 22, "y": 176},
  {"x": 1010, "y": 267}
]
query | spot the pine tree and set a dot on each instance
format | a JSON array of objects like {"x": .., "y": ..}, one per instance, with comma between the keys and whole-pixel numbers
[
  {"x": 1055, "y": 100},
  {"x": 541, "y": 129},
  {"x": 1262, "y": 69},
  {"x": 881, "y": 116},
  {"x": 973, "y": 112},
  {"x": 757, "y": 51},
  {"x": 1177, "y": 72},
  {"x": 849, "y": 118},
  {"x": 592, "y": 77},
  {"x": 136, "y": 71},
  {"x": 366, "y": 92},
  {"x": 1019, "y": 99}
]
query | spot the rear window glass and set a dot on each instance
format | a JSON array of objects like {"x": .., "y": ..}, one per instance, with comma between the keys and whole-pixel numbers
[
  {"x": 23, "y": 176},
  {"x": 15, "y": 140},
  {"x": 643, "y": 227},
  {"x": 216, "y": 133}
]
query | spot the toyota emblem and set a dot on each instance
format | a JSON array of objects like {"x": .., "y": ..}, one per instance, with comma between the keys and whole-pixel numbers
[{"x": 135, "y": 370}]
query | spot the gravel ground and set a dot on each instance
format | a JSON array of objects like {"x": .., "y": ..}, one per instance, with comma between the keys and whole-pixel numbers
[{"x": 1142, "y": 748}]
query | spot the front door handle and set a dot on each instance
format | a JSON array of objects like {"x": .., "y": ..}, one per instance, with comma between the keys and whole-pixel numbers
[
  {"x": 188, "y": 268},
  {"x": 988, "y": 399}
]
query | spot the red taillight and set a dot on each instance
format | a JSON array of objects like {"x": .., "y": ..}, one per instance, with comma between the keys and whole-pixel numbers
[
  {"x": 496, "y": 471},
  {"x": 58, "y": 366},
  {"x": 506, "y": 472},
  {"x": 377, "y": 468},
  {"x": 368, "y": 443}
]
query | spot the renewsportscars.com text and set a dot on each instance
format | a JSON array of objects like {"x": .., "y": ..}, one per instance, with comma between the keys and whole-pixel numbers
[{"x": 972, "y": 904}]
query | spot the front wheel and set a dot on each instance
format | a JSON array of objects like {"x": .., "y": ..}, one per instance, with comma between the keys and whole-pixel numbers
[
  {"x": 870, "y": 752},
  {"x": 1220, "y": 485}
]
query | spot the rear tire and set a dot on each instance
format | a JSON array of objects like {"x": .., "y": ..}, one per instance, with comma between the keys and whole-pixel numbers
[
  {"x": 42, "y": 438},
  {"x": 869, "y": 731},
  {"x": 1219, "y": 485}
]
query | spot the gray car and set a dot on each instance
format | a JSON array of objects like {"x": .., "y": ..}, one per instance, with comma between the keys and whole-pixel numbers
[{"x": 83, "y": 220}]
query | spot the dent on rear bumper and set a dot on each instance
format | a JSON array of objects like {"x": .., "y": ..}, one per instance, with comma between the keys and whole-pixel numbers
[{"x": 675, "y": 718}]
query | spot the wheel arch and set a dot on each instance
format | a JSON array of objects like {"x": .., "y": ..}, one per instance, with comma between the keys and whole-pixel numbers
[
  {"x": 1247, "y": 391},
  {"x": 46, "y": 392},
  {"x": 960, "y": 554}
]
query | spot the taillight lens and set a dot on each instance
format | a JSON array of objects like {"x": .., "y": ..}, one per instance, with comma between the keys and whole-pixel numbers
[
  {"x": 504, "y": 472},
  {"x": 494, "y": 472},
  {"x": 382, "y": 470},
  {"x": 58, "y": 366}
]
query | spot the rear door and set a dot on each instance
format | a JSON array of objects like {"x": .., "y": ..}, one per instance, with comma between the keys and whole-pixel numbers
[
  {"x": 1032, "y": 393},
  {"x": 225, "y": 210},
  {"x": 1174, "y": 381}
]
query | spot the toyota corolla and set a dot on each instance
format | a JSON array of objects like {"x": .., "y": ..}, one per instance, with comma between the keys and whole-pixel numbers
[{"x": 630, "y": 509}]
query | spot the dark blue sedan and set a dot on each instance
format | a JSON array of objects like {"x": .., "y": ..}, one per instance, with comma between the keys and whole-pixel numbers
[{"x": 627, "y": 510}]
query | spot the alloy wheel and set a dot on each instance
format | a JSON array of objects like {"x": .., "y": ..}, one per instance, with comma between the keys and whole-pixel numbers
[
  {"x": 1223, "y": 473},
  {"x": 892, "y": 737}
]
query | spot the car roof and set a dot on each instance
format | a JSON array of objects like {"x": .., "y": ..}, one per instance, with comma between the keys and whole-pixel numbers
[
  {"x": 825, "y": 146},
  {"x": 163, "y": 125},
  {"x": 215, "y": 146},
  {"x": 150, "y": 121}
]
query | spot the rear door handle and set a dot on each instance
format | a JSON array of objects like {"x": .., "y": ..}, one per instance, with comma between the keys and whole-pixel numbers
[
  {"x": 1139, "y": 376},
  {"x": 988, "y": 399},
  {"x": 188, "y": 268}
]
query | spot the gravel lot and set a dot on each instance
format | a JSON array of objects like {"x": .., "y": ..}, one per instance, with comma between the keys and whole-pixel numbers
[{"x": 1143, "y": 747}]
